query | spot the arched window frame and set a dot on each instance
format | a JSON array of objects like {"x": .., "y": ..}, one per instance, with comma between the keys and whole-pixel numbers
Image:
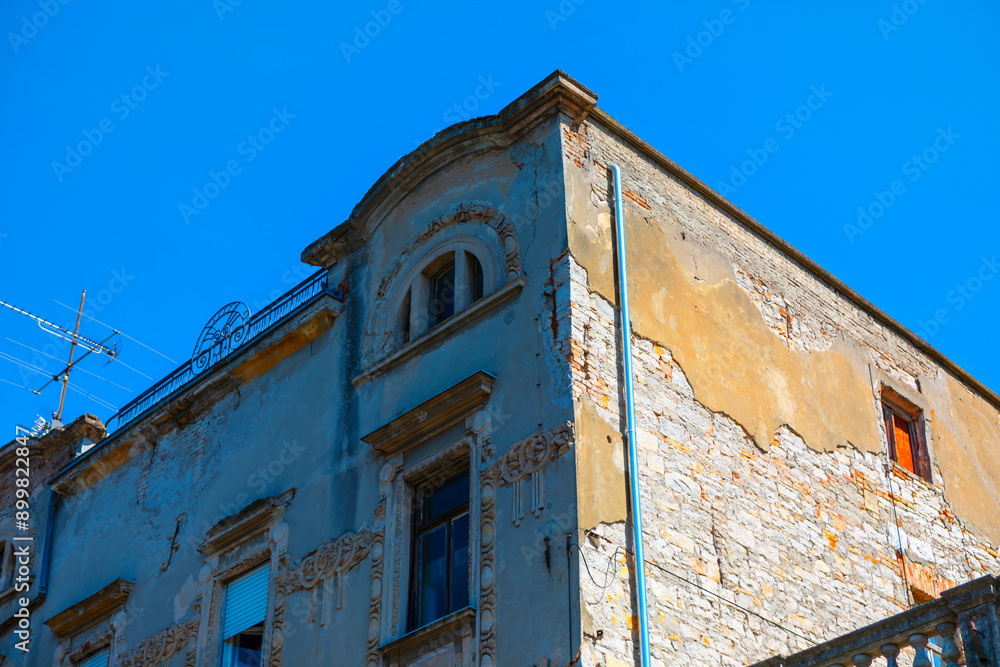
[{"x": 413, "y": 302}]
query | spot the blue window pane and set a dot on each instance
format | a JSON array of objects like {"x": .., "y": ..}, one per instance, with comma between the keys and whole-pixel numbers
[
  {"x": 245, "y": 649},
  {"x": 433, "y": 575},
  {"x": 452, "y": 494},
  {"x": 460, "y": 563},
  {"x": 442, "y": 304}
]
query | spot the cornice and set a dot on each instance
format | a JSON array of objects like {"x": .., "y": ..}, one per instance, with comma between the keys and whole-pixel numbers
[
  {"x": 433, "y": 416},
  {"x": 249, "y": 521},
  {"x": 794, "y": 254},
  {"x": 557, "y": 93},
  {"x": 94, "y": 608}
]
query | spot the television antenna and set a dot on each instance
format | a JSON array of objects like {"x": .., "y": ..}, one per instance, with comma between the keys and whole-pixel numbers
[{"x": 74, "y": 337}]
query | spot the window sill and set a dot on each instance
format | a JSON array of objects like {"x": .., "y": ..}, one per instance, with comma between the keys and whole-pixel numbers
[
  {"x": 463, "y": 618},
  {"x": 451, "y": 324},
  {"x": 904, "y": 473}
]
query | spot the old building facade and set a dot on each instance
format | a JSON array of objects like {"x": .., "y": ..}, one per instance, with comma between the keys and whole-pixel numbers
[{"x": 415, "y": 458}]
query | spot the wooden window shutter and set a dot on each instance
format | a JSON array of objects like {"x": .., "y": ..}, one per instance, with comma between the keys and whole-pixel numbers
[
  {"x": 246, "y": 602},
  {"x": 904, "y": 446}
]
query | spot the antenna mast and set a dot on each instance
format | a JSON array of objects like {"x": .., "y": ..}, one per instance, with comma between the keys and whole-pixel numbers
[
  {"x": 69, "y": 364},
  {"x": 75, "y": 339}
]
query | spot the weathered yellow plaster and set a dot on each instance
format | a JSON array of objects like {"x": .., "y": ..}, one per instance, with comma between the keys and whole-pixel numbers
[
  {"x": 967, "y": 437},
  {"x": 600, "y": 469},
  {"x": 734, "y": 362}
]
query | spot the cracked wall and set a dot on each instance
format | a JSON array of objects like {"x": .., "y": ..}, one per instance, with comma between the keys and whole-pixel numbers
[{"x": 768, "y": 513}]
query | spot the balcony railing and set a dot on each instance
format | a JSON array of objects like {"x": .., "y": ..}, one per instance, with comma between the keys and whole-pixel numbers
[
  {"x": 966, "y": 615},
  {"x": 221, "y": 342}
]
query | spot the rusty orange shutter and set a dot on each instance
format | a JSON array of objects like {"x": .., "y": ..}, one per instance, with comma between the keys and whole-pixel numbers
[{"x": 904, "y": 448}]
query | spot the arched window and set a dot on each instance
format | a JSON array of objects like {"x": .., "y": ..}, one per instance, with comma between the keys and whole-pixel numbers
[{"x": 444, "y": 284}]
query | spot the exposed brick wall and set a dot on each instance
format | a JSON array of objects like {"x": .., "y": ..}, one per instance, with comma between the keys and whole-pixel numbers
[{"x": 750, "y": 553}]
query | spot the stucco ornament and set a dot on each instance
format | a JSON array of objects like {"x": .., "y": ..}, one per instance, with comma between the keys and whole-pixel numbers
[
  {"x": 378, "y": 340},
  {"x": 167, "y": 643},
  {"x": 523, "y": 460},
  {"x": 522, "y": 464},
  {"x": 386, "y": 477}
]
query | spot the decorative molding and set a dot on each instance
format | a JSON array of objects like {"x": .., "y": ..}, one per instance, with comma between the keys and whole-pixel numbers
[
  {"x": 386, "y": 477},
  {"x": 167, "y": 643},
  {"x": 282, "y": 582},
  {"x": 522, "y": 463},
  {"x": 433, "y": 416},
  {"x": 522, "y": 460},
  {"x": 333, "y": 557},
  {"x": 558, "y": 94},
  {"x": 249, "y": 521},
  {"x": 325, "y": 569},
  {"x": 94, "y": 608},
  {"x": 376, "y": 343},
  {"x": 487, "y": 566}
]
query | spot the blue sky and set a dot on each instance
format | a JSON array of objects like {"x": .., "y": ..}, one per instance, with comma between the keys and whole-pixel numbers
[{"x": 901, "y": 125}]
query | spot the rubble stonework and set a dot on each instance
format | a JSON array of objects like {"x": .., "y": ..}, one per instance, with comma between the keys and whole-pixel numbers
[{"x": 753, "y": 548}]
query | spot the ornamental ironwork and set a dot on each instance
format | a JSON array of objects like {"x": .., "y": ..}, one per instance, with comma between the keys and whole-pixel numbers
[
  {"x": 225, "y": 332},
  {"x": 228, "y": 331}
]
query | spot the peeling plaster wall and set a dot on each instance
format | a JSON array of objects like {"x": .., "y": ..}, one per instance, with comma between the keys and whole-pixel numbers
[
  {"x": 524, "y": 343},
  {"x": 760, "y": 437},
  {"x": 299, "y": 423},
  {"x": 277, "y": 432}
]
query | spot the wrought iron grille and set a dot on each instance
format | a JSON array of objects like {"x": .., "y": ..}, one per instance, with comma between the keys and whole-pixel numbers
[{"x": 218, "y": 341}]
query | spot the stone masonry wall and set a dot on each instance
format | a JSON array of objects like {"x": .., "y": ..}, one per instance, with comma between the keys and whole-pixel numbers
[
  {"x": 749, "y": 554},
  {"x": 751, "y": 550}
]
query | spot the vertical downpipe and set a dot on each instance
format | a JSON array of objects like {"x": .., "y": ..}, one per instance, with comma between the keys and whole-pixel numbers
[{"x": 633, "y": 457}]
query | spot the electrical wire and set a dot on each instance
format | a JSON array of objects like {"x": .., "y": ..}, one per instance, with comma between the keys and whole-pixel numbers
[
  {"x": 96, "y": 399},
  {"x": 132, "y": 369},
  {"x": 119, "y": 332},
  {"x": 75, "y": 367},
  {"x": 20, "y": 362},
  {"x": 36, "y": 369},
  {"x": 809, "y": 642},
  {"x": 899, "y": 532},
  {"x": 17, "y": 385},
  {"x": 892, "y": 499}
]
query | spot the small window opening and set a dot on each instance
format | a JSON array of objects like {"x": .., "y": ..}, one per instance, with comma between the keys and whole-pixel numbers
[
  {"x": 442, "y": 294},
  {"x": 904, "y": 432}
]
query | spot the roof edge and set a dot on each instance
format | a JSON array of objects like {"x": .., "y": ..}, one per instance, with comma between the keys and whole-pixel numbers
[
  {"x": 556, "y": 91},
  {"x": 794, "y": 254}
]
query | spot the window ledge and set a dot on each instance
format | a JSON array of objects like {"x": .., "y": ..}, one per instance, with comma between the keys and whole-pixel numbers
[
  {"x": 911, "y": 476},
  {"x": 415, "y": 638},
  {"x": 451, "y": 324}
]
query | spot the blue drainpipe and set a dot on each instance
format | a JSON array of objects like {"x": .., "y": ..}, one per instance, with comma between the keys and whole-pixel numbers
[{"x": 633, "y": 458}]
